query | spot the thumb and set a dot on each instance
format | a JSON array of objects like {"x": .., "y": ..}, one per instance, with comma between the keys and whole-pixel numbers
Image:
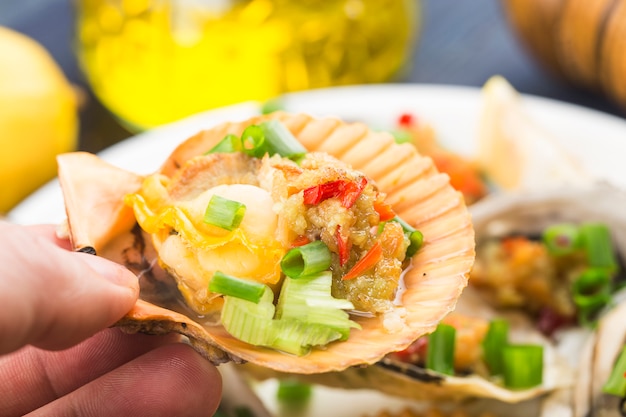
[{"x": 53, "y": 298}]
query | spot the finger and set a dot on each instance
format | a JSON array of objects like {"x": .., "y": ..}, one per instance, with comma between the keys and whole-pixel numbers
[
  {"x": 31, "y": 377},
  {"x": 172, "y": 380},
  {"x": 53, "y": 298},
  {"x": 49, "y": 232}
]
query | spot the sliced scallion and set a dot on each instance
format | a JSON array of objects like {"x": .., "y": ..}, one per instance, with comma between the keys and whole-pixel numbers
[
  {"x": 281, "y": 140},
  {"x": 224, "y": 213},
  {"x": 440, "y": 352},
  {"x": 253, "y": 141},
  {"x": 598, "y": 245},
  {"x": 616, "y": 384},
  {"x": 591, "y": 291},
  {"x": 495, "y": 340},
  {"x": 308, "y": 259},
  {"x": 522, "y": 366},
  {"x": 561, "y": 239},
  {"x": 245, "y": 289},
  {"x": 293, "y": 392},
  {"x": 230, "y": 143},
  {"x": 416, "y": 238}
]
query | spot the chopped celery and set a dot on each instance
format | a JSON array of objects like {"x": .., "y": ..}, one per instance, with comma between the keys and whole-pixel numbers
[
  {"x": 308, "y": 300},
  {"x": 307, "y": 316},
  {"x": 248, "y": 321}
]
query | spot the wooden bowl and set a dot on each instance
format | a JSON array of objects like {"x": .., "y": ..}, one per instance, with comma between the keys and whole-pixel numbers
[{"x": 581, "y": 41}]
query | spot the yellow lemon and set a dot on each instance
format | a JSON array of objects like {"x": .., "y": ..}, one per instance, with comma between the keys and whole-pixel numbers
[{"x": 38, "y": 116}]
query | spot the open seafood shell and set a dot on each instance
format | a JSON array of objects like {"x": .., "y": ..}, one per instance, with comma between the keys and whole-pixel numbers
[
  {"x": 405, "y": 380},
  {"x": 498, "y": 215},
  {"x": 98, "y": 221}
]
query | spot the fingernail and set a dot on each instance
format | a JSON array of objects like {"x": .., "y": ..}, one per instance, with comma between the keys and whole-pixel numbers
[{"x": 115, "y": 273}]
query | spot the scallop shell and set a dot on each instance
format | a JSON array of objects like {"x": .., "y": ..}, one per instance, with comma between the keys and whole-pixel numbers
[{"x": 97, "y": 218}]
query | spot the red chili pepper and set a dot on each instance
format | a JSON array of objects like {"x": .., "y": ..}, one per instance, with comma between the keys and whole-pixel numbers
[
  {"x": 300, "y": 241},
  {"x": 384, "y": 210},
  {"x": 371, "y": 258},
  {"x": 319, "y": 193},
  {"x": 351, "y": 191},
  {"x": 406, "y": 120},
  {"x": 343, "y": 247},
  {"x": 346, "y": 191}
]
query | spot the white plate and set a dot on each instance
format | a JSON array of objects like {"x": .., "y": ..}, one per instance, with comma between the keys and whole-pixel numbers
[{"x": 597, "y": 139}]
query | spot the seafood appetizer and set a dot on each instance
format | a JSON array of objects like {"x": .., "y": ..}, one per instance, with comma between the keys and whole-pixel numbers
[
  {"x": 506, "y": 339},
  {"x": 555, "y": 255},
  {"x": 298, "y": 244}
]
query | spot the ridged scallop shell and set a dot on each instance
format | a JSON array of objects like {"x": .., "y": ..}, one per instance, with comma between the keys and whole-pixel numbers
[{"x": 418, "y": 192}]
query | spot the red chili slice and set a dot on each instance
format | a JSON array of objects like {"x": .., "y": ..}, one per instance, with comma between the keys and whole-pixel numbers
[
  {"x": 346, "y": 191},
  {"x": 371, "y": 258},
  {"x": 343, "y": 247},
  {"x": 384, "y": 210}
]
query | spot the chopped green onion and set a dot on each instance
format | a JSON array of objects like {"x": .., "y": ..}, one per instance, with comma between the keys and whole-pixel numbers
[
  {"x": 440, "y": 352},
  {"x": 245, "y": 289},
  {"x": 272, "y": 105},
  {"x": 495, "y": 340},
  {"x": 293, "y": 392},
  {"x": 305, "y": 260},
  {"x": 230, "y": 143},
  {"x": 224, "y": 213},
  {"x": 270, "y": 137},
  {"x": 616, "y": 384},
  {"x": 598, "y": 245},
  {"x": 591, "y": 291},
  {"x": 253, "y": 141},
  {"x": 416, "y": 238},
  {"x": 561, "y": 239},
  {"x": 402, "y": 136},
  {"x": 522, "y": 366},
  {"x": 281, "y": 141}
]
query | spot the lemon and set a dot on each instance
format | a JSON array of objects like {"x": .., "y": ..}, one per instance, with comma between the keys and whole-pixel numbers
[
  {"x": 38, "y": 116},
  {"x": 516, "y": 152}
]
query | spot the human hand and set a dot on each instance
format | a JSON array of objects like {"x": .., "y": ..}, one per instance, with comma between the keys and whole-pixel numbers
[{"x": 58, "y": 355}]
